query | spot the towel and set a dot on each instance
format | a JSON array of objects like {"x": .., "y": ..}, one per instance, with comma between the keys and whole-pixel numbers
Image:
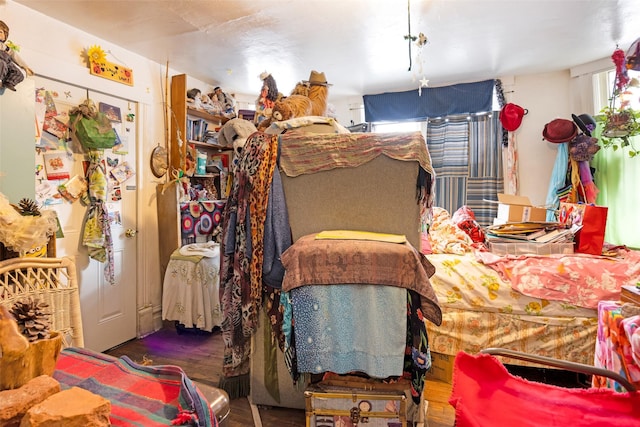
[{"x": 209, "y": 249}]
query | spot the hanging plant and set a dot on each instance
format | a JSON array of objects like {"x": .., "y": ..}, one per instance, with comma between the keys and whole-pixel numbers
[{"x": 621, "y": 123}]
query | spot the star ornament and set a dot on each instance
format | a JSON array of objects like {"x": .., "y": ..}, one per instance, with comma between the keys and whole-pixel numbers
[{"x": 424, "y": 82}]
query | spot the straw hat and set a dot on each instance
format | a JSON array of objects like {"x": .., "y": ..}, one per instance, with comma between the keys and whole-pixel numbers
[{"x": 317, "y": 78}]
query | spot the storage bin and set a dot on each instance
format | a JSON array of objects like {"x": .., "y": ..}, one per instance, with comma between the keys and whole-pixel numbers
[
  {"x": 326, "y": 406},
  {"x": 524, "y": 248}
]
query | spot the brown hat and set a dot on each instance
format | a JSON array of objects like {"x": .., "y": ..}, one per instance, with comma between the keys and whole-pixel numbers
[
  {"x": 317, "y": 78},
  {"x": 560, "y": 130}
]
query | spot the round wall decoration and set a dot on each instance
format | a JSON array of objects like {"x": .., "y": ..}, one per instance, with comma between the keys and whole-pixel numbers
[{"x": 159, "y": 161}]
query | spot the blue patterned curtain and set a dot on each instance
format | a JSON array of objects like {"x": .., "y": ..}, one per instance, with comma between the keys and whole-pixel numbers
[
  {"x": 429, "y": 102},
  {"x": 466, "y": 154}
]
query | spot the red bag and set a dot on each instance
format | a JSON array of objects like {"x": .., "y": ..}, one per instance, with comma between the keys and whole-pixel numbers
[{"x": 590, "y": 238}]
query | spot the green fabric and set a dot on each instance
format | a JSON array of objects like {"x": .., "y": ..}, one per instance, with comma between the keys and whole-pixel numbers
[
  {"x": 617, "y": 176},
  {"x": 270, "y": 359}
]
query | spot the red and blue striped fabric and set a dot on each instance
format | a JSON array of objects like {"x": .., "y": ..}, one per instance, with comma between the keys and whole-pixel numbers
[{"x": 140, "y": 396}]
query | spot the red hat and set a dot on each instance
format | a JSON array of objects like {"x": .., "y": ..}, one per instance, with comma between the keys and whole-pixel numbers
[
  {"x": 560, "y": 130},
  {"x": 511, "y": 116}
]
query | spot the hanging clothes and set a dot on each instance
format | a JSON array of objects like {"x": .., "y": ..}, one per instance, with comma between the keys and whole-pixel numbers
[{"x": 96, "y": 235}]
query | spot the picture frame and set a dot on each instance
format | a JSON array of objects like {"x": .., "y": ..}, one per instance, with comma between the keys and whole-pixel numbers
[{"x": 112, "y": 112}]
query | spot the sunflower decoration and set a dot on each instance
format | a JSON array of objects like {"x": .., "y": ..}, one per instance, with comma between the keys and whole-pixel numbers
[{"x": 96, "y": 54}]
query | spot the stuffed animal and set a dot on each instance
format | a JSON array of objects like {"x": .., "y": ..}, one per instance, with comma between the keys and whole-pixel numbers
[
  {"x": 10, "y": 61},
  {"x": 235, "y": 132},
  {"x": 288, "y": 108},
  {"x": 318, "y": 93}
]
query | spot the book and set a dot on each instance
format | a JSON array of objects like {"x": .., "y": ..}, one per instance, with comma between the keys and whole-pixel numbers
[
  {"x": 559, "y": 235},
  {"x": 630, "y": 293}
]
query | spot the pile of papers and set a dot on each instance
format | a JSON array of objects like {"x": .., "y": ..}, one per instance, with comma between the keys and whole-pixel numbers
[{"x": 531, "y": 232}]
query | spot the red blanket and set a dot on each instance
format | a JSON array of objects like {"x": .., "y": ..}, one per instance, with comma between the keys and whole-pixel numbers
[
  {"x": 140, "y": 396},
  {"x": 485, "y": 394}
]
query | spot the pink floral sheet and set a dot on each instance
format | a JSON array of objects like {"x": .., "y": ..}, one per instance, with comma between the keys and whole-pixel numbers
[
  {"x": 464, "y": 282},
  {"x": 578, "y": 279}
]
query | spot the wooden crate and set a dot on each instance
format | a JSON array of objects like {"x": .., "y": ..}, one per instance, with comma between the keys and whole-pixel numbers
[{"x": 326, "y": 406}]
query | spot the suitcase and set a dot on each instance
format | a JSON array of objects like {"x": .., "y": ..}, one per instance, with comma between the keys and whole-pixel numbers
[{"x": 327, "y": 406}]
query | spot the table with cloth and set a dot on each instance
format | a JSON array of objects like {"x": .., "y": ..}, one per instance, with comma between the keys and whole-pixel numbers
[{"x": 190, "y": 294}]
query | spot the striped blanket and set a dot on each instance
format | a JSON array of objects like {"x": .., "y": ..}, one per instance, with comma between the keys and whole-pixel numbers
[{"x": 140, "y": 396}]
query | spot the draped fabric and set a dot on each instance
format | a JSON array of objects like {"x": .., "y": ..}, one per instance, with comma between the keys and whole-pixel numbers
[
  {"x": 431, "y": 102},
  {"x": 512, "y": 185},
  {"x": 617, "y": 176},
  {"x": 241, "y": 248},
  {"x": 466, "y": 156}
]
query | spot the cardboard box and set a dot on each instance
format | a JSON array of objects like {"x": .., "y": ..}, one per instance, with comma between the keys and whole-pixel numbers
[
  {"x": 441, "y": 367},
  {"x": 513, "y": 208}
]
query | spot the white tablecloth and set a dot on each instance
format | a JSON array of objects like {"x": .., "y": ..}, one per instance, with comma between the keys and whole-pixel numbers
[{"x": 190, "y": 292}]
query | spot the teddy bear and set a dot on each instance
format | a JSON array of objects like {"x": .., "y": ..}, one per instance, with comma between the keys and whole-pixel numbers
[
  {"x": 235, "y": 133},
  {"x": 288, "y": 108}
]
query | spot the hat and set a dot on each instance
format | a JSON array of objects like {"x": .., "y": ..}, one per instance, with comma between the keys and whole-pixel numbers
[
  {"x": 560, "y": 130},
  {"x": 317, "y": 78},
  {"x": 585, "y": 122},
  {"x": 511, "y": 116},
  {"x": 264, "y": 75},
  {"x": 583, "y": 148}
]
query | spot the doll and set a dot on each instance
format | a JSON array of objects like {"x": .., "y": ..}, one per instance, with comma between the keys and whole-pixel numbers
[
  {"x": 10, "y": 61},
  {"x": 227, "y": 101},
  {"x": 268, "y": 96}
]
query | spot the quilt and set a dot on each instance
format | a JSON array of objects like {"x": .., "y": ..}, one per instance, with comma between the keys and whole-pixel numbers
[{"x": 140, "y": 396}]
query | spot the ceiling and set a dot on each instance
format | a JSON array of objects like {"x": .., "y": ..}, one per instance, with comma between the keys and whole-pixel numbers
[{"x": 360, "y": 45}]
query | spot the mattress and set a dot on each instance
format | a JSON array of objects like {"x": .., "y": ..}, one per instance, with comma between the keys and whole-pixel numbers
[{"x": 481, "y": 310}]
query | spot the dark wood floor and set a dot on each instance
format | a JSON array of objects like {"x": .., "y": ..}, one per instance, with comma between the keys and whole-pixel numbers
[{"x": 200, "y": 356}]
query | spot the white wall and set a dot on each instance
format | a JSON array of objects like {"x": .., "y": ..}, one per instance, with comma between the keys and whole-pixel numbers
[
  {"x": 55, "y": 50},
  {"x": 546, "y": 97}
]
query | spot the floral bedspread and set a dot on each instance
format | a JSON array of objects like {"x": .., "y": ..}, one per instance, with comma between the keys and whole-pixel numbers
[
  {"x": 579, "y": 279},
  {"x": 463, "y": 282}
]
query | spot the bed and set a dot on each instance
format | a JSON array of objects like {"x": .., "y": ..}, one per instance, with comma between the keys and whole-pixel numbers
[{"x": 541, "y": 305}]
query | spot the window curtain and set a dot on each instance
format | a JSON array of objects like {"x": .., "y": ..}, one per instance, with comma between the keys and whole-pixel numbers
[
  {"x": 466, "y": 154},
  {"x": 617, "y": 177},
  {"x": 433, "y": 102}
]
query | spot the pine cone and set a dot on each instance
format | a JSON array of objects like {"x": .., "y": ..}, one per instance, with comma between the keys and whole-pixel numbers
[
  {"x": 29, "y": 207},
  {"x": 33, "y": 318}
]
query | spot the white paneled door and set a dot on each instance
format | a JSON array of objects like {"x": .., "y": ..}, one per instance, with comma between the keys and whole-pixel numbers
[{"x": 108, "y": 309}]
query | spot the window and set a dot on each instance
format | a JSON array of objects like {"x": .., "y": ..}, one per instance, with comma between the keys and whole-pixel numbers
[{"x": 616, "y": 174}]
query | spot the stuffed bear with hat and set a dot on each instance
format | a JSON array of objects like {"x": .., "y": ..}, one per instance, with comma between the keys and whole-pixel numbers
[{"x": 317, "y": 90}]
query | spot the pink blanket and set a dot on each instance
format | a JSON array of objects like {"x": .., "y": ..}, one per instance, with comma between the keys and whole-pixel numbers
[
  {"x": 579, "y": 279},
  {"x": 484, "y": 394}
]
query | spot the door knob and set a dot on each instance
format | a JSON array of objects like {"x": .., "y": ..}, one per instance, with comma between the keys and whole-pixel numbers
[{"x": 130, "y": 233}]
